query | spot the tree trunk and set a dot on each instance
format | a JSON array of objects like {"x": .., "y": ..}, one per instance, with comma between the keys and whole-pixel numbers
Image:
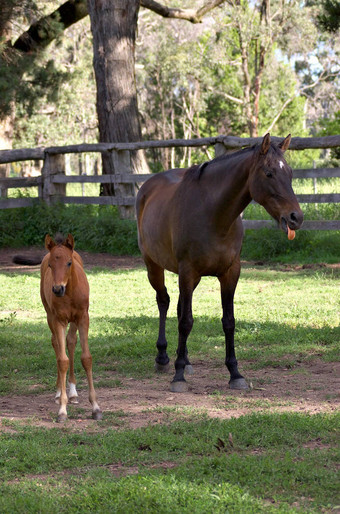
[{"x": 114, "y": 26}]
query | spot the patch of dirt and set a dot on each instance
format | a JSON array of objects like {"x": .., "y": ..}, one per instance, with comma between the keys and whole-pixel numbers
[
  {"x": 91, "y": 260},
  {"x": 310, "y": 387},
  {"x": 307, "y": 387}
]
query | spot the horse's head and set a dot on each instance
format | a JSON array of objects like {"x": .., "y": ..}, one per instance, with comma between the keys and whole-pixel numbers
[
  {"x": 60, "y": 262},
  {"x": 270, "y": 184}
]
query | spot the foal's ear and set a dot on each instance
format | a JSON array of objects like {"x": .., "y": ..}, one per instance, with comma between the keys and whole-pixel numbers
[
  {"x": 285, "y": 143},
  {"x": 69, "y": 242},
  {"x": 265, "y": 144},
  {"x": 49, "y": 243}
]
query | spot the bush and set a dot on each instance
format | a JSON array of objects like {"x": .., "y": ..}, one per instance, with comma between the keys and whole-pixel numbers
[
  {"x": 99, "y": 229},
  {"x": 95, "y": 228}
]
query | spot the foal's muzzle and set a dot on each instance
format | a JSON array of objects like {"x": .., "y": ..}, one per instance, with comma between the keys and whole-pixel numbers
[{"x": 59, "y": 290}]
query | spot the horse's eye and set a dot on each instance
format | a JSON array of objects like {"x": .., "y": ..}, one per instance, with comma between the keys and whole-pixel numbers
[
  {"x": 69, "y": 264},
  {"x": 268, "y": 173}
]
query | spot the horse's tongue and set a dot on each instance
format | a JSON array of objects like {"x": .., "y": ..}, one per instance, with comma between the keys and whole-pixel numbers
[{"x": 291, "y": 234}]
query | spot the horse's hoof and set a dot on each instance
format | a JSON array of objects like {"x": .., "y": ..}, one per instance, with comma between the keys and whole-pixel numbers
[
  {"x": 97, "y": 415},
  {"x": 189, "y": 370},
  {"x": 162, "y": 368},
  {"x": 61, "y": 418},
  {"x": 180, "y": 386},
  {"x": 238, "y": 383},
  {"x": 74, "y": 400}
]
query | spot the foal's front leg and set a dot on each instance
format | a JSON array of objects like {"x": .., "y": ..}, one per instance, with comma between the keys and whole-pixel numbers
[
  {"x": 59, "y": 333},
  {"x": 71, "y": 341}
]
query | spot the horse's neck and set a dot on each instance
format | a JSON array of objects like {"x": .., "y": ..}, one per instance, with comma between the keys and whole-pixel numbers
[{"x": 229, "y": 179}]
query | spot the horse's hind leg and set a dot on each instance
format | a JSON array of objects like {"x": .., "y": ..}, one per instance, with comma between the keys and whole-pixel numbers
[
  {"x": 86, "y": 360},
  {"x": 228, "y": 283},
  {"x": 71, "y": 341},
  {"x": 156, "y": 279}
]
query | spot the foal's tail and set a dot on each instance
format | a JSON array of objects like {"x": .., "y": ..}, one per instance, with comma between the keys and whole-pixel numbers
[{"x": 27, "y": 261}]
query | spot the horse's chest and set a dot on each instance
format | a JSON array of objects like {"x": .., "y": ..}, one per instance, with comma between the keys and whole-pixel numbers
[{"x": 66, "y": 311}]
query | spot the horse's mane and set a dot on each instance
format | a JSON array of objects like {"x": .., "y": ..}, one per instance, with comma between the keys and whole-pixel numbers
[
  {"x": 196, "y": 170},
  {"x": 59, "y": 238}
]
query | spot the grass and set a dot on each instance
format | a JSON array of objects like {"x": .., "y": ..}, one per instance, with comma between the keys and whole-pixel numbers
[
  {"x": 278, "y": 462},
  {"x": 272, "y": 462},
  {"x": 277, "y": 322}
]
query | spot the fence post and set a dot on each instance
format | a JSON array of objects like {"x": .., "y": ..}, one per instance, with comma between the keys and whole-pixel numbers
[
  {"x": 53, "y": 165},
  {"x": 122, "y": 164},
  {"x": 220, "y": 149}
]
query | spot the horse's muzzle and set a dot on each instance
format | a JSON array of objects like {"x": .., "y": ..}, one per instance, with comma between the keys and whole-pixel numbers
[
  {"x": 293, "y": 221},
  {"x": 59, "y": 290}
]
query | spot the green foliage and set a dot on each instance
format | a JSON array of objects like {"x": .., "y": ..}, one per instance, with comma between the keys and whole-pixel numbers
[
  {"x": 97, "y": 229},
  {"x": 329, "y": 16}
]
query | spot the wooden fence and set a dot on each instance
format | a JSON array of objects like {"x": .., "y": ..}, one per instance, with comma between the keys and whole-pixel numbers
[{"x": 52, "y": 181}]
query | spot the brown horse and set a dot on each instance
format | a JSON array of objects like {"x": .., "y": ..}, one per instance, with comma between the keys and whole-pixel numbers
[
  {"x": 64, "y": 291},
  {"x": 189, "y": 223}
]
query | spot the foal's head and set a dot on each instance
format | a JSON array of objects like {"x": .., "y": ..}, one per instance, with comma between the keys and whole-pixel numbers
[
  {"x": 270, "y": 184},
  {"x": 60, "y": 262}
]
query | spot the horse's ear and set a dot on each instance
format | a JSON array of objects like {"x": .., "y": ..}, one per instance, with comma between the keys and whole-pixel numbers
[
  {"x": 69, "y": 242},
  {"x": 49, "y": 243},
  {"x": 265, "y": 144},
  {"x": 285, "y": 143}
]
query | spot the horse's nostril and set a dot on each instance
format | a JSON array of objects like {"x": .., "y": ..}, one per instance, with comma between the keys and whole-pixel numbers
[{"x": 295, "y": 219}]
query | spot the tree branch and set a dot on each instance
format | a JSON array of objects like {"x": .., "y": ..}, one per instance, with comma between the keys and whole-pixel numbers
[
  {"x": 194, "y": 16},
  {"x": 44, "y": 31}
]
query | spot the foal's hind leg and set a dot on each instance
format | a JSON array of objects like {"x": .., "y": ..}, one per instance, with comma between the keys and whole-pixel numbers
[
  {"x": 71, "y": 341},
  {"x": 228, "y": 283},
  {"x": 156, "y": 279}
]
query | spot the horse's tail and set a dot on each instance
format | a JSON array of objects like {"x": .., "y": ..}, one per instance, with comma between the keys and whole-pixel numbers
[{"x": 28, "y": 261}]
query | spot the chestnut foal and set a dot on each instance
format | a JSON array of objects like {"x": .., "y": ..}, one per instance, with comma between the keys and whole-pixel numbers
[{"x": 64, "y": 291}]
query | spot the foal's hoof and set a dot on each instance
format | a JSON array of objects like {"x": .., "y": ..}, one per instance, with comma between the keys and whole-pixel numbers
[
  {"x": 97, "y": 415},
  {"x": 189, "y": 370},
  {"x": 162, "y": 368},
  {"x": 238, "y": 383},
  {"x": 61, "y": 418},
  {"x": 180, "y": 386}
]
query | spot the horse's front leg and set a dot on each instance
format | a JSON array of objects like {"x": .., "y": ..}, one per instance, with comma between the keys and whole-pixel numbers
[
  {"x": 187, "y": 285},
  {"x": 156, "y": 279},
  {"x": 228, "y": 283},
  {"x": 86, "y": 360}
]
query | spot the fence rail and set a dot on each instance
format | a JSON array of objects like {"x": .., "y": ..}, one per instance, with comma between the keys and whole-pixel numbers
[{"x": 52, "y": 181}]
